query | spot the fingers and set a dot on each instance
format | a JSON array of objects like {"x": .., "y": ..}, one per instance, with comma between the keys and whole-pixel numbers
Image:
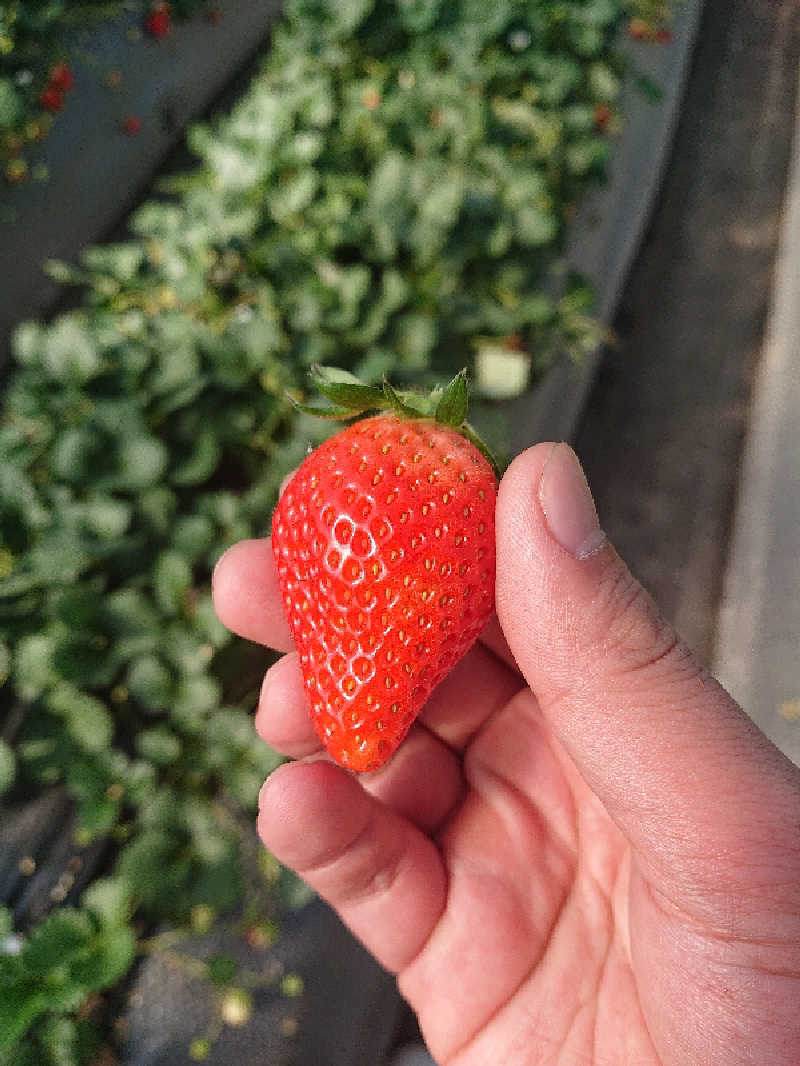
[
  {"x": 677, "y": 763},
  {"x": 383, "y": 876},
  {"x": 246, "y": 595},
  {"x": 282, "y": 719},
  {"x": 423, "y": 781}
]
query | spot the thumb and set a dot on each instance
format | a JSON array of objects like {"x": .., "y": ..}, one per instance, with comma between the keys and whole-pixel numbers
[{"x": 677, "y": 764}]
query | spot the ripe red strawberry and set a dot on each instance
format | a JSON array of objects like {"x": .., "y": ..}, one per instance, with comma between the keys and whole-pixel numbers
[
  {"x": 61, "y": 78},
  {"x": 158, "y": 22},
  {"x": 384, "y": 545},
  {"x": 51, "y": 99},
  {"x": 602, "y": 115},
  {"x": 131, "y": 125},
  {"x": 638, "y": 29}
]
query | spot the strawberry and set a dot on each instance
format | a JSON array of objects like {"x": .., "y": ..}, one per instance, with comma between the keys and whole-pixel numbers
[
  {"x": 51, "y": 98},
  {"x": 158, "y": 22},
  {"x": 61, "y": 78},
  {"x": 384, "y": 546},
  {"x": 638, "y": 29},
  {"x": 602, "y": 115},
  {"x": 131, "y": 125}
]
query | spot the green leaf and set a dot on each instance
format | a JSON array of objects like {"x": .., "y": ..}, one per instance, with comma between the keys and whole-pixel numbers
[
  {"x": 222, "y": 969},
  {"x": 56, "y": 941},
  {"x": 345, "y": 391},
  {"x": 172, "y": 579},
  {"x": 328, "y": 411},
  {"x": 159, "y": 745},
  {"x": 8, "y": 768},
  {"x": 207, "y": 623},
  {"x": 452, "y": 407},
  {"x": 70, "y": 352},
  {"x": 20, "y": 1005},
  {"x": 33, "y": 665},
  {"x": 109, "y": 900},
  {"x": 107, "y": 517},
  {"x": 113, "y": 952},
  {"x": 59, "y": 1037},
  {"x": 88, "y": 721},
  {"x": 10, "y": 104},
  {"x": 141, "y": 461},
  {"x": 150, "y": 683},
  {"x": 194, "y": 697},
  {"x": 202, "y": 462},
  {"x": 192, "y": 536}
]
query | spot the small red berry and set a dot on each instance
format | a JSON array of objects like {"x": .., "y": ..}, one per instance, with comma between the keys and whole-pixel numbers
[
  {"x": 602, "y": 115},
  {"x": 214, "y": 16},
  {"x": 663, "y": 35},
  {"x": 158, "y": 22},
  {"x": 371, "y": 99},
  {"x": 61, "y": 78},
  {"x": 131, "y": 124},
  {"x": 384, "y": 546},
  {"x": 638, "y": 29},
  {"x": 52, "y": 99}
]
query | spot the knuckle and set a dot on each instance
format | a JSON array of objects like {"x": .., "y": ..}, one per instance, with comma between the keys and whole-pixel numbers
[{"x": 635, "y": 637}]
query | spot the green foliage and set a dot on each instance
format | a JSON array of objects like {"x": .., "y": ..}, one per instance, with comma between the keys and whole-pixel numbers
[
  {"x": 70, "y": 954},
  {"x": 390, "y": 196}
]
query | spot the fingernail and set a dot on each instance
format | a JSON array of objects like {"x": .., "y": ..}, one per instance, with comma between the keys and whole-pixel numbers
[{"x": 567, "y": 504}]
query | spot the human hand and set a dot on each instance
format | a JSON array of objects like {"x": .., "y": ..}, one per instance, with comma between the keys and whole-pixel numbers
[{"x": 584, "y": 852}]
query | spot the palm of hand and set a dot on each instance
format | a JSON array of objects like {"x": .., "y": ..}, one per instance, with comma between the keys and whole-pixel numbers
[
  {"x": 531, "y": 957},
  {"x": 489, "y": 877}
]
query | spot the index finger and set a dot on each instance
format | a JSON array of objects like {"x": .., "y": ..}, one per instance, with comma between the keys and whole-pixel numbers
[{"x": 247, "y": 598}]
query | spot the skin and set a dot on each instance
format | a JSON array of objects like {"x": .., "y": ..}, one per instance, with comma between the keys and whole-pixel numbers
[{"x": 584, "y": 852}]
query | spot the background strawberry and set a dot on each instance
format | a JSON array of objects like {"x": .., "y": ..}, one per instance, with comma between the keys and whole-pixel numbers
[
  {"x": 158, "y": 21},
  {"x": 61, "y": 77},
  {"x": 384, "y": 545}
]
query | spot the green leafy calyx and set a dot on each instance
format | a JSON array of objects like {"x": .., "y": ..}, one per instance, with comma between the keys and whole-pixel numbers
[{"x": 347, "y": 397}]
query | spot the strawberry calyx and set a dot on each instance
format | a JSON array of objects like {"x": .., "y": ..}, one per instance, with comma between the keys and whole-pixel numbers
[{"x": 348, "y": 397}]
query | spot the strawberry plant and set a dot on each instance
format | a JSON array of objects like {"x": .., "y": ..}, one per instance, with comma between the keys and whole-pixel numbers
[{"x": 390, "y": 195}]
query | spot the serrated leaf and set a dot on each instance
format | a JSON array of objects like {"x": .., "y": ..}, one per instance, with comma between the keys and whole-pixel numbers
[
  {"x": 345, "y": 391},
  {"x": 452, "y": 408}
]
